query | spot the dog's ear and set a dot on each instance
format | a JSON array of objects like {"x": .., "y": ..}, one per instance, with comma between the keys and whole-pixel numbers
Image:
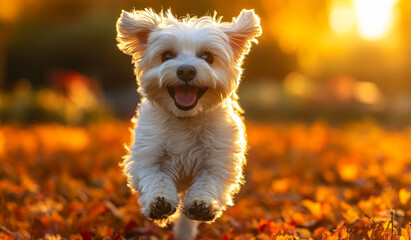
[
  {"x": 242, "y": 31},
  {"x": 133, "y": 30}
]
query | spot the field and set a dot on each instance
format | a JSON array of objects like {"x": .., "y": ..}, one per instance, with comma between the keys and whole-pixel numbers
[{"x": 303, "y": 181}]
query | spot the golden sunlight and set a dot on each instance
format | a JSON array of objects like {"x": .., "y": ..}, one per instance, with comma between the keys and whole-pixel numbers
[{"x": 374, "y": 17}]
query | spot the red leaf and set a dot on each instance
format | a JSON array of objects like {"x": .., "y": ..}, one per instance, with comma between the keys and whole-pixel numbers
[{"x": 86, "y": 235}]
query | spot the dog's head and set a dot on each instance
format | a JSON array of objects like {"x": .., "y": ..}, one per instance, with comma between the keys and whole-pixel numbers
[{"x": 190, "y": 65}]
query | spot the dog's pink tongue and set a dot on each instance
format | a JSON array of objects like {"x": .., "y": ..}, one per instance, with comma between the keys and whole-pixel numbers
[{"x": 185, "y": 95}]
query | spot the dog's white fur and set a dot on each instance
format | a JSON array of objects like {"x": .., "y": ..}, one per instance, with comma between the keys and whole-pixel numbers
[{"x": 193, "y": 157}]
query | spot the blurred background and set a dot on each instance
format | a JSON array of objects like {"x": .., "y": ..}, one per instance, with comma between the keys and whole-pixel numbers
[{"x": 336, "y": 60}]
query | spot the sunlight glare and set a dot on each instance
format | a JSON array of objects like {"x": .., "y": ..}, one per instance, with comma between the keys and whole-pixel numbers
[{"x": 374, "y": 17}]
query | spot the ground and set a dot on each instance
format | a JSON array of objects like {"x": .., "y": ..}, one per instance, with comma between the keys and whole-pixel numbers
[{"x": 303, "y": 181}]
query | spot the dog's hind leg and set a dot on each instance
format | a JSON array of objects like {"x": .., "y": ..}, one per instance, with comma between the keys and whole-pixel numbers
[{"x": 185, "y": 229}]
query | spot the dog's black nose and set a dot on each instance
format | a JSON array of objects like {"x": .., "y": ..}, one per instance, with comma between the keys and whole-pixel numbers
[{"x": 186, "y": 73}]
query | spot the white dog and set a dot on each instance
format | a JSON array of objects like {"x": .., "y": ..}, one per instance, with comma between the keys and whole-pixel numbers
[{"x": 189, "y": 144}]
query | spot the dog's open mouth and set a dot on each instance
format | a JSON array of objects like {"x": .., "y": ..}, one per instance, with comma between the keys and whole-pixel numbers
[{"x": 186, "y": 96}]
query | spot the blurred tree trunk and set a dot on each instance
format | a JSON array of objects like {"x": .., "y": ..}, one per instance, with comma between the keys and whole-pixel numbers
[
  {"x": 3, "y": 54},
  {"x": 9, "y": 13}
]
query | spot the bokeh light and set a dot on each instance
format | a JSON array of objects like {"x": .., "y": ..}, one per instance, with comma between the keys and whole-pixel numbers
[
  {"x": 367, "y": 92},
  {"x": 297, "y": 84},
  {"x": 341, "y": 19},
  {"x": 344, "y": 87}
]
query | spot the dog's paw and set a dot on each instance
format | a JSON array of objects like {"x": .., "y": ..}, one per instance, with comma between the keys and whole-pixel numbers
[
  {"x": 160, "y": 208},
  {"x": 201, "y": 211}
]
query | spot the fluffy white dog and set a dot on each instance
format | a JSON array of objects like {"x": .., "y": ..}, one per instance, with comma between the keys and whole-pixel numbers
[{"x": 188, "y": 152}]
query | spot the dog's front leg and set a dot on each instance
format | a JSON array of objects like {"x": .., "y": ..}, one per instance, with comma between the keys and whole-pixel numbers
[
  {"x": 212, "y": 188},
  {"x": 157, "y": 191}
]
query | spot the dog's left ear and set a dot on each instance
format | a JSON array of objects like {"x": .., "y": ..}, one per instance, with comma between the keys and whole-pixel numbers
[
  {"x": 242, "y": 31},
  {"x": 133, "y": 30}
]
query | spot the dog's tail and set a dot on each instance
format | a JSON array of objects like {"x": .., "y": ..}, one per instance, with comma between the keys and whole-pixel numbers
[{"x": 185, "y": 229}]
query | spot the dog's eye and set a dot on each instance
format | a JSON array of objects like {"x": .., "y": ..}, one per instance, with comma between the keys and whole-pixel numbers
[
  {"x": 208, "y": 57},
  {"x": 167, "y": 56}
]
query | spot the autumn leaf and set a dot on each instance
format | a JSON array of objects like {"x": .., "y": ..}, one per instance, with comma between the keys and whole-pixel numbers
[
  {"x": 406, "y": 233},
  {"x": 306, "y": 181}
]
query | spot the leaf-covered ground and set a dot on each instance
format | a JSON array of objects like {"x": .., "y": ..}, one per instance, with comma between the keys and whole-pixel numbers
[{"x": 303, "y": 181}]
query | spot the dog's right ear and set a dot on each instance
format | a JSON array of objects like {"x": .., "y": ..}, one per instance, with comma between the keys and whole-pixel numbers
[{"x": 133, "y": 30}]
